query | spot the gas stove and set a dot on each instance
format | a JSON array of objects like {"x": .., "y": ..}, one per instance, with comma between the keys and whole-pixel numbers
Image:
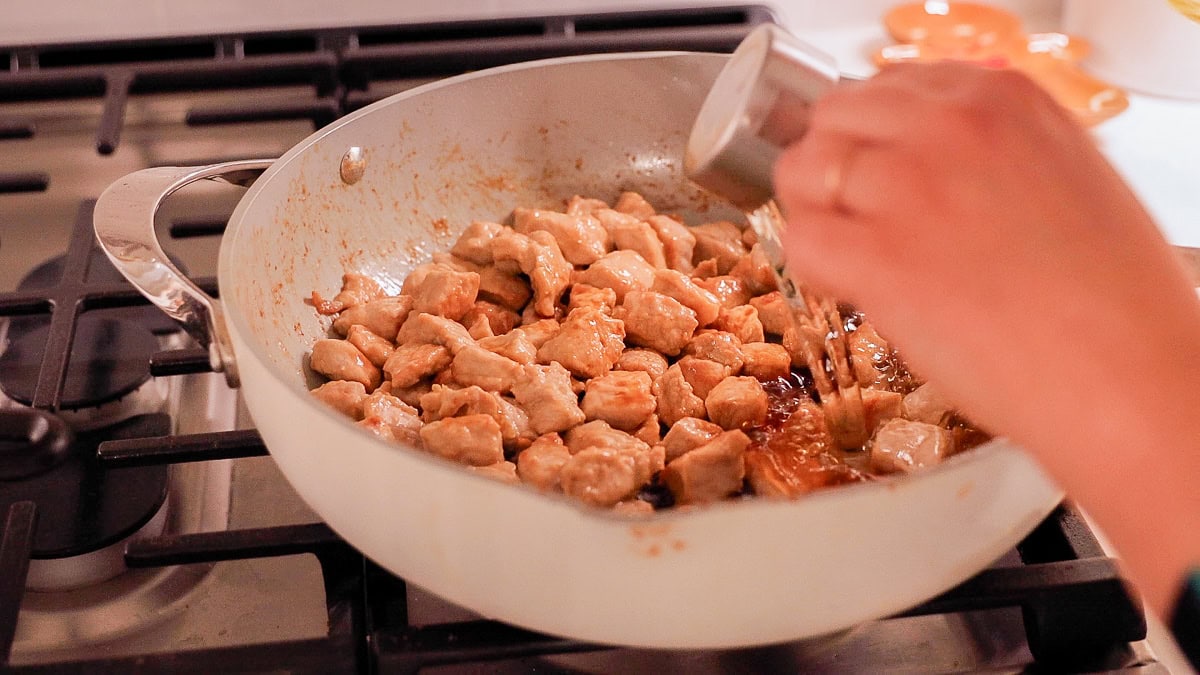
[{"x": 142, "y": 524}]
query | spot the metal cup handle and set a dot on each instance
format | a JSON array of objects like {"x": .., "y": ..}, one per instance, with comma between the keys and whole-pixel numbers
[{"x": 124, "y": 223}]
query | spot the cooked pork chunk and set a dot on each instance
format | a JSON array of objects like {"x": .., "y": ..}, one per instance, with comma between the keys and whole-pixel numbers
[
  {"x": 475, "y": 243},
  {"x": 719, "y": 346},
  {"x": 621, "y": 398},
  {"x": 737, "y": 403},
  {"x": 478, "y": 327},
  {"x": 868, "y": 354},
  {"x": 505, "y": 472},
  {"x": 645, "y": 360},
  {"x": 632, "y": 234},
  {"x": 678, "y": 242},
  {"x": 415, "y": 361},
  {"x": 442, "y": 290},
  {"x": 382, "y": 316},
  {"x": 710, "y": 472},
  {"x": 904, "y": 445},
  {"x": 773, "y": 312},
  {"x": 588, "y": 344},
  {"x": 766, "y": 360},
  {"x": 656, "y": 321},
  {"x": 471, "y": 439},
  {"x": 580, "y": 237},
  {"x": 729, "y": 290},
  {"x": 927, "y": 404},
  {"x": 720, "y": 241},
  {"x": 391, "y": 418},
  {"x": 539, "y": 257},
  {"x": 688, "y": 434},
  {"x": 634, "y": 204},
  {"x": 474, "y": 365},
  {"x": 343, "y": 396},
  {"x": 756, "y": 272},
  {"x": 376, "y": 349},
  {"x": 340, "y": 360},
  {"x": 540, "y": 463},
  {"x": 441, "y": 402},
  {"x": 578, "y": 205},
  {"x": 703, "y": 374},
  {"x": 650, "y": 432},
  {"x": 606, "y": 465},
  {"x": 539, "y": 332},
  {"x": 436, "y": 330},
  {"x": 357, "y": 289},
  {"x": 500, "y": 320},
  {"x": 622, "y": 271},
  {"x": 514, "y": 345},
  {"x": 681, "y": 287},
  {"x": 584, "y": 296},
  {"x": 675, "y": 397},
  {"x": 743, "y": 322},
  {"x": 544, "y": 392}
]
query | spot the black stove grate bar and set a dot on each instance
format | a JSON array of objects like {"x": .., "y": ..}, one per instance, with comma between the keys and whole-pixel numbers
[
  {"x": 320, "y": 111},
  {"x": 184, "y": 448},
  {"x": 16, "y": 543},
  {"x": 205, "y": 547},
  {"x": 24, "y": 182},
  {"x": 413, "y": 648}
]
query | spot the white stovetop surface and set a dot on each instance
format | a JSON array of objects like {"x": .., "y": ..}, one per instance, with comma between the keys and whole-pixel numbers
[{"x": 1154, "y": 143}]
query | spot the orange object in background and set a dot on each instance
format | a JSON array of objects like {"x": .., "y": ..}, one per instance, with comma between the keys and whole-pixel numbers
[{"x": 935, "y": 30}]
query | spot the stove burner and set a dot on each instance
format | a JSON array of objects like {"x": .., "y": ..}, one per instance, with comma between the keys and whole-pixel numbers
[
  {"x": 81, "y": 506},
  {"x": 110, "y": 360}
]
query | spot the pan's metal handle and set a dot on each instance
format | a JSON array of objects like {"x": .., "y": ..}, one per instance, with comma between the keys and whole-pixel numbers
[{"x": 124, "y": 222}]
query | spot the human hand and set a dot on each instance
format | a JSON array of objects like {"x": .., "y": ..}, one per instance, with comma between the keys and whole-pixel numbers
[{"x": 987, "y": 237}]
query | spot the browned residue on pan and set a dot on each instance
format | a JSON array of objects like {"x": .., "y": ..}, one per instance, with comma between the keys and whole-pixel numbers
[{"x": 652, "y": 540}]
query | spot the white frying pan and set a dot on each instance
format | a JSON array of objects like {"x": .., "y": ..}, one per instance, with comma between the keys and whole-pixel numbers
[{"x": 378, "y": 192}]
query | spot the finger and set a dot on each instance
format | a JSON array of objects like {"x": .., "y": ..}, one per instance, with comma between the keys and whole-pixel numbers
[{"x": 843, "y": 174}]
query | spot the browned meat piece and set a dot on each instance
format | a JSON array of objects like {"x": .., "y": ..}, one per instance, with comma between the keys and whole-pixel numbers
[
  {"x": 676, "y": 400},
  {"x": 514, "y": 345},
  {"x": 584, "y": 296},
  {"x": 356, "y": 290},
  {"x": 382, "y": 317},
  {"x": 633, "y": 234},
  {"x": 796, "y": 460},
  {"x": 868, "y": 353},
  {"x": 904, "y": 445},
  {"x": 539, "y": 332},
  {"x": 729, "y": 290},
  {"x": 380, "y": 409},
  {"x": 581, "y": 238},
  {"x": 500, "y": 320},
  {"x": 650, "y": 432},
  {"x": 710, "y": 472},
  {"x": 743, "y": 322},
  {"x": 621, "y": 398},
  {"x": 622, "y": 271},
  {"x": 688, "y": 434},
  {"x": 718, "y": 346},
  {"x": 635, "y": 205},
  {"x": 756, "y": 272},
  {"x": 925, "y": 404},
  {"x": 505, "y": 472},
  {"x": 703, "y": 374},
  {"x": 443, "y": 291},
  {"x": 415, "y": 361},
  {"x": 656, "y": 321},
  {"x": 475, "y": 365},
  {"x": 879, "y": 406},
  {"x": 540, "y": 463},
  {"x": 441, "y": 402},
  {"x": 773, "y": 312},
  {"x": 766, "y": 361},
  {"x": 340, "y": 360},
  {"x": 343, "y": 396},
  {"x": 588, "y": 344},
  {"x": 411, "y": 394},
  {"x": 678, "y": 242},
  {"x": 434, "y": 330},
  {"x": 681, "y": 287},
  {"x": 503, "y": 288},
  {"x": 471, "y": 439},
  {"x": 578, "y": 205},
  {"x": 606, "y": 465},
  {"x": 705, "y": 269},
  {"x": 530, "y": 314},
  {"x": 544, "y": 392},
  {"x": 737, "y": 403},
  {"x": 721, "y": 241},
  {"x": 478, "y": 327},
  {"x": 749, "y": 237},
  {"x": 376, "y": 349},
  {"x": 475, "y": 243},
  {"x": 539, "y": 257},
  {"x": 645, "y": 360}
]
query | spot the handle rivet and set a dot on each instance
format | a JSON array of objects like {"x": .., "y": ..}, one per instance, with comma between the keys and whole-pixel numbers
[{"x": 352, "y": 166}]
